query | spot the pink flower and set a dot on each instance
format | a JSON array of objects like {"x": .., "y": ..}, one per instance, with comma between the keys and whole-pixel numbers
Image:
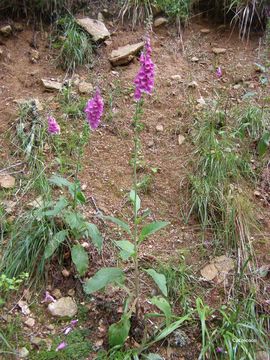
[
  {"x": 53, "y": 126},
  {"x": 69, "y": 328},
  {"x": 61, "y": 346},
  {"x": 94, "y": 110},
  {"x": 219, "y": 72},
  {"x": 48, "y": 298},
  {"x": 74, "y": 322},
  {"x": 144, "y": 80}
]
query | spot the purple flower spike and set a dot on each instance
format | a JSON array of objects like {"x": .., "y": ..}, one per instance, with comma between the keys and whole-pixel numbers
[
  {"x": 67, "y": 330},
  {"x": 144, "y": 80},
  {"x": 61, "y": 346},
  {"x": 219, "y": 72},
  {"x": 48, "y": 298},
  {"x": 53, "y": 126},
  {"x": 219, "y": 350},
  {"x": 74, "y": 322},
  {"x": 94, "y": 110}
]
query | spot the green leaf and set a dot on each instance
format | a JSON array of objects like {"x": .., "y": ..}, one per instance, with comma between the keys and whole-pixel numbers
[
  {"x": 76, "y": 192},
  {"x": 264, "y": 143},
  {"x": 60, "y": 181},
  {"x": 150, "y": 229},
  {"x": 54, "y": 243},
  {"x": 80, "y": 258},
  {"x": 74, "y": 220},
  {"x": 58, "y": 207},
  {"x": 118, "y": 222},
  {"x": 159, "y": 279},
  {"x": 95, "y": 235},
  {"x": 102, "y": 278},
  {"x": 164, "y": 306},
  {"x": 127, "y": 248},
  {"x": 132, "y": 199},
  {"x": 119, "y": 331},
  {"x": 171, "y": 328}
]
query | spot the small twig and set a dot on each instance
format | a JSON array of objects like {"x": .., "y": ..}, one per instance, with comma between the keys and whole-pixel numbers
[{"x": 11, "y": 166}]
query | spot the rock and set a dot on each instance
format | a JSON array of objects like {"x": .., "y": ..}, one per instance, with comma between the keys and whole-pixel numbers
[
  {"x": 50, "y": 327},
  {"x": 57, "y": 293},
  {"x": 65, "y": 273},
  {"x": 51, "y": 85},
  {"x": 124, "y": 54},
  {"x": 9, "y": 206},
  {"x": 177, "y": 78},
  {"x": 194, "y": 59},
  {"x": 30, "y": 322},
  {"x": 24, "y": 307},
  {"x": 71, "y": 292},
  {"x": 100, "y": 17},
  {"x": 181, "y": 139},
  {"x": 179, "y": 338},
  {"x": 262, "y": 355},
  {"x": 160, "y": 21},
  {"x": 23, "y": 353},
  {"x": 237, "y": 86},
  {"x": 201, "y": 101},
  {"x": 18, "y": 26},
  {"x": 223, "y": 263},
  {"x": 35, "y": 102},
  {"x": 205, "y": 31},
  {"x": 193, "y": 84},
  {"x": 219, "y": 51},
  {"x": 209, "y": 272},
  {"x": 35, "y": 340},
  {"x": 6, "y": 30},
  {"x": 159, "y": 127},
  {"x": 85, "y": 87},
  {"x": 108, "y": 42},
  {"x": 63, "y": 307},
  {"x": 151, "y": 143},
  {"x": 34, "y": 55},
  {"x": 95, "y": 28},
  {"x": 37, "y": 203},
  {"x": 7, "y": 181}
]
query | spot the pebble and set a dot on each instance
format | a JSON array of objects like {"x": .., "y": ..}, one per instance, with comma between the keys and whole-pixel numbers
[{"x": 159, "y": 127}]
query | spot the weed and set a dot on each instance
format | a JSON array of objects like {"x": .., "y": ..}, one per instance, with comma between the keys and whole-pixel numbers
[
  {"x": 76, "y": 47},
  {"x": 137, "y": 10},
  {"x": 254, "y": 121},
  {"x": 8, "y": 285},
  {"x": 177, "y": 9}
]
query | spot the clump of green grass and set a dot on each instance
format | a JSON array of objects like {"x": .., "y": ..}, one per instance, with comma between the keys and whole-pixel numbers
[
  {"x": 76, "y": 47},
  {"x": 177, "y": 9},
  {"x": 136, "y": 10},
  {"x": 254, "y": 121}
]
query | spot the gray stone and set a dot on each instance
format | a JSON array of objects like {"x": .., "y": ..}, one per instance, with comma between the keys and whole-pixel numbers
[
  {"x": 7, "y": 181},
  {"x": 6, "y": 30},
  {"x": 100, "y": 17},
  {"x": 194, "y": 59},
  {"x": 159, "y": 127},
  {"x": 85, "y": 87},
  {"x": 35, "y": 340},
  {"x": 193, "y": 84},
  {"x": 23, "y": 353},
  {"x": 30, "y": 322},
  {"x": 218, "y": 51},
  {"x": 205, "y": 31},
  {"x": 181, "y": 139},
  {"x": 124, "y": 54},
  {"x": 57, "y": 293},
  {"x": 160, "y": 21},
  {"x": 95, "y": 28},
  {"x": 51, "y": 85},
  {"x": 63, "y": 307}
]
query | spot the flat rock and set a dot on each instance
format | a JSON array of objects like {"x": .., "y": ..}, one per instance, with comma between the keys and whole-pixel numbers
[
  {"x": 51, "y": 85},
  {"x": 63, "y": 307},
  {"x": 160, "y": 21},
  {"x": 6, "y": 30},
  {"x": 124, "y": 54},
  {"x": 7, "y": 181},
  {"x": 177, "y": 77},
  {"x": 159, "y": 127},
  {"x": 30, "y": 322},
  {"x": 23, "y": 353},
  {"x": 217, "y": 50},
  {"x": 181, "y": 139},
  {"x": 85, "y": 87},
  {"x": 223, "y": 263},
  {"x": 194, "y": 59},
  {"x": 209, "y": 272},
  {"x": 95, "y": 28},
  {"x": 205, "y": 31},
  {"x": 193, "y": 84},
  {"x": 35, "y": 340}
]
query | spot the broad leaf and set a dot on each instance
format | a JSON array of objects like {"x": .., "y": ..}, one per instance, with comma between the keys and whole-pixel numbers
[
  {"x": 58, "y": 207},
  {"x": 118, "y": 222},
  {"x": 150, "y": 229},
  {"x": 133, "y": 200},
  {"x": 127, "y": 248},
  {"x": 74, "y": 220},
  {"x": 164, "y": 306},
  {"x": 102, "y": 278},
  {"x": 159, "y": 279},
  {"x": 118, "y": 332},
  {"x": 75, "y": 191},
  {"x": 80, "y": 258},
  {"x": 264, "y": 143},
  {"x": 60, "y": 181},
  {"x": 54, "y": 243},
  {"x": 95, "y": 235}
]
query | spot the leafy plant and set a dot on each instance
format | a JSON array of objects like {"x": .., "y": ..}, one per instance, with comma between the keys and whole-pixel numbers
[
  {"x": 8, "y": 285},
  {"x": 75, "y": 46},
  {"x": 137, "y": 10}
]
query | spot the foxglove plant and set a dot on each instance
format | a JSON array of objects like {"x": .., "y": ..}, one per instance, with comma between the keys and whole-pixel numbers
[{"x": 53, "y": 126}]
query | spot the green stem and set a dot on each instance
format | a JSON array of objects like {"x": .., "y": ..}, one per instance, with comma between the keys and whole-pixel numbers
[{"x": 135, "y": 188}]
